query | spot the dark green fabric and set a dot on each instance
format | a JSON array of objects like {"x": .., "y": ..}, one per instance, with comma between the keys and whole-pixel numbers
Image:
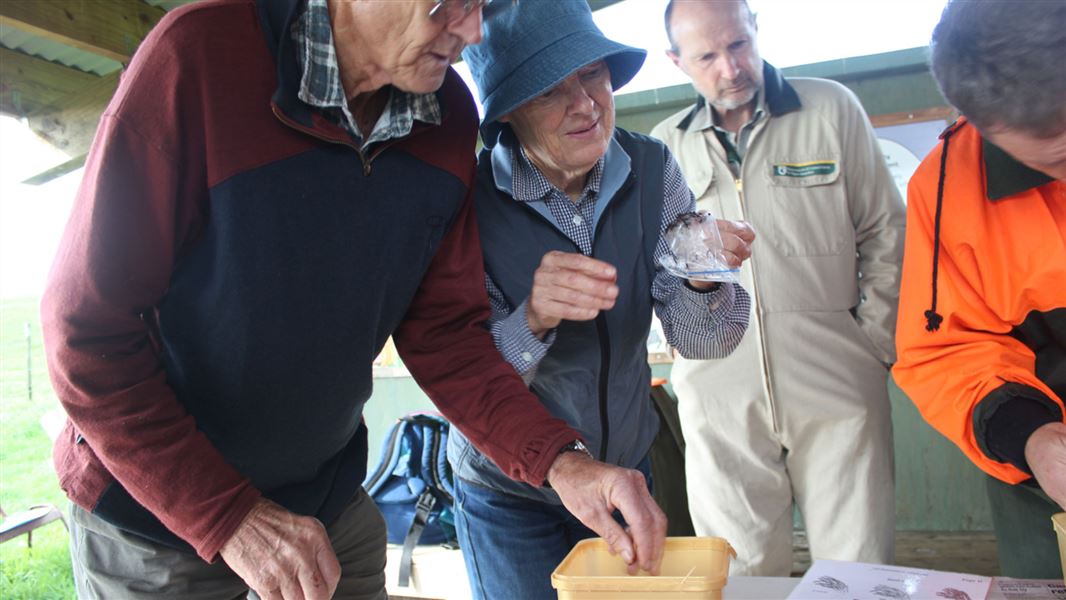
[
  {"x": 668, "y": 465},
  {"x": 1025, "y": 536},
  {"x": 1005, "y": 176}
]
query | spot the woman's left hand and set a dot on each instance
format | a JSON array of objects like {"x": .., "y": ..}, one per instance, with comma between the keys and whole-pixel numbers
[{"x": 737, "y": 237}]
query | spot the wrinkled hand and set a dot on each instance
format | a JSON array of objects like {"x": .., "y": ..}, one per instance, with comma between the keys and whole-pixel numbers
[
  {"x": 1045, "y": 451},
  {"x": 592, "y": 490},
  {"x": 569, "y": 286},
  {"x": 283, "y": 556},
  {"x": 737, "y": 237}
]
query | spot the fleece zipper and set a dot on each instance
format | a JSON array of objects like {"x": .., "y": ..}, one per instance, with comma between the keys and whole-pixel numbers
[{"x": 366, "y": 160}]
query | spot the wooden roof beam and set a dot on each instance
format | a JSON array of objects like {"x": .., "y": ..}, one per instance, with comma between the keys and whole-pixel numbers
[
  {"x": 111, "y": 28},
  {"x": 28, "y": 83},
  {"x": 70, "y": 123}
]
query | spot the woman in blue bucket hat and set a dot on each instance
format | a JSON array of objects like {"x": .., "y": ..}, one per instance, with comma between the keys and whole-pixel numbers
[{"x": 572, "y": 214}]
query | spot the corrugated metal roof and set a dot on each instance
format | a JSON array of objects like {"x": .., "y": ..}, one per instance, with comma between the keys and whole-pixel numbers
[
  {"x": 50, "y": 50},
  {"x": 70, "y": 56},
  {"x": 53, "y": 51}
]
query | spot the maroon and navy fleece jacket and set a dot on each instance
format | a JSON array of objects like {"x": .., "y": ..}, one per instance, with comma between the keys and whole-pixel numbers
[{"x": 230, "y": 270}]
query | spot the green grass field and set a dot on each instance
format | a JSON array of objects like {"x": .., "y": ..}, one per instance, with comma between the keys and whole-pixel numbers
[{"x": 26, "y": 474}]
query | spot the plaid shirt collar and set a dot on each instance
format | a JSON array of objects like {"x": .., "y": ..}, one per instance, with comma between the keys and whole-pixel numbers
[
  {"x": 530, "y": 185},
  {"x": 320, "y": 84}
]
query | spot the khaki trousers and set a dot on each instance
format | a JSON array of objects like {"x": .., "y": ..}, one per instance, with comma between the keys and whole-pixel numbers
[
  {"x": 1025, "y": 538},
  {"x": 830, "y": 455},
  {"x": 110, "y": 563}
]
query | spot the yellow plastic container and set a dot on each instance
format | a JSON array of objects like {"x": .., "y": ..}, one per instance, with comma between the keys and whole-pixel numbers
[
  {"x": 692, "y": 568},
  {"x": 1059, "y": 521}
]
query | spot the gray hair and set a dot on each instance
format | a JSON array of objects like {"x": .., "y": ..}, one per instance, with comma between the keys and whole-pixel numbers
[{"x": 1002, "y": 63}]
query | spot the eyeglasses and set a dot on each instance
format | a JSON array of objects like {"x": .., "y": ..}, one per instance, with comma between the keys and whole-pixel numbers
[{"x": 450, "y": 11}]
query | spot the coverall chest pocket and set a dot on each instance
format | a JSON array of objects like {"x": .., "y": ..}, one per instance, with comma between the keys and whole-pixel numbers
[{"x": 808, "y": 207}]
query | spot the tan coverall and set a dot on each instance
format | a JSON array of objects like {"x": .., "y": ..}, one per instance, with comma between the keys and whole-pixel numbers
[{"x": 800, "y": 411}]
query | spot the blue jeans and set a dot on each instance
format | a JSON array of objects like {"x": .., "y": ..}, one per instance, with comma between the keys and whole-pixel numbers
[{"x": 511, "y": 545}]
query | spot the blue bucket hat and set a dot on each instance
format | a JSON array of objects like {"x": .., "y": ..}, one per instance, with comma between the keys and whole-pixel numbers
[{"x": 532, "y": 47}]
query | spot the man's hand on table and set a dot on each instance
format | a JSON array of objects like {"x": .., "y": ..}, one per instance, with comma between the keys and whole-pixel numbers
[
  {"x": 1045, "y": 451},
  {"x": 592, "y": 490},
  {"x": 283, "y": 556}
]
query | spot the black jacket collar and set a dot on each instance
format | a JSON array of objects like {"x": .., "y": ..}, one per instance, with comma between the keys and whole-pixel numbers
[
  {"x": 1005, "y": 176},
  {"x": 781, "y": 97}
]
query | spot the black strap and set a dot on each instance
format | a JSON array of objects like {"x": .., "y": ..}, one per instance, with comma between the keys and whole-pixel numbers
[
  {"x": 933, "y": 318},
  {"x": 423, "y": 507}
]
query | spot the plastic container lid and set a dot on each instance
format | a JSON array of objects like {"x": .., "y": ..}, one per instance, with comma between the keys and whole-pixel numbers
[{"x": 690, "y": 564}]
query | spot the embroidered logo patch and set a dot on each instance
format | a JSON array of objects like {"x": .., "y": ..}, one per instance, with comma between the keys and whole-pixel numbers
[{"x": 806, "y": 169}]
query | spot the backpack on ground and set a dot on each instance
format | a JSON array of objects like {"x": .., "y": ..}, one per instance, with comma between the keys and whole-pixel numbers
[{"x": 412, "y": 486}]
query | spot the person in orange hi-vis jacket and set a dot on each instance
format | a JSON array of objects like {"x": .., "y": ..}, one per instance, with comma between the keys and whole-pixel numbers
[{"x": 981, "y": 334}]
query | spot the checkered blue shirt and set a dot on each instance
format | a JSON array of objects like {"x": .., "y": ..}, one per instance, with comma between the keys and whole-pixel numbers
[
  {"x": 320, "y": 84},
  {"x": 699, "y": 324}
]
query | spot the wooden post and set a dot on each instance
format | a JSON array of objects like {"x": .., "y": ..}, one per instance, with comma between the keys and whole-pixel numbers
[{"x": 29, "y": 359}]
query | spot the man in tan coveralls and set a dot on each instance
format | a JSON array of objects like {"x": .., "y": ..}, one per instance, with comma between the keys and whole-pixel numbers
[{"x": 800, "y": 411}]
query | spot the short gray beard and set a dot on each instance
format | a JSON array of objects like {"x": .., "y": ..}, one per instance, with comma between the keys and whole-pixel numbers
[{"x": 723, "y": 104}]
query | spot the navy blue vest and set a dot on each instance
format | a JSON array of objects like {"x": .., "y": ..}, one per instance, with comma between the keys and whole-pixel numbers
[{"x": 595, "y": 375}]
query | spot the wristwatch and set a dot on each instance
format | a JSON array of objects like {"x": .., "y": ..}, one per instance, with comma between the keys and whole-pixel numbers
[
  {"x": 577, "y": 446},
  {"x": 574, "y": 446}
]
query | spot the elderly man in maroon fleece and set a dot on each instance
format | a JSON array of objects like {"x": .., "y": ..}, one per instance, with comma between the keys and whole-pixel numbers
[{"x": 277, "y": 187}]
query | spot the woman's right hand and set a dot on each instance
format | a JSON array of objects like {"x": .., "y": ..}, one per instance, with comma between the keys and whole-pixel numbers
[{"x": 571, "y": 286}]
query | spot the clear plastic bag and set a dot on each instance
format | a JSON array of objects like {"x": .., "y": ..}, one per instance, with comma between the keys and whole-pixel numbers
[{"x": 696, "y": 250}]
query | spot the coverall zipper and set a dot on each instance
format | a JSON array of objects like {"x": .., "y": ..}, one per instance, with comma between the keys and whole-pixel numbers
[
  {"x": 736, "y": 168},
  {"x": 767, "y": 383}
]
